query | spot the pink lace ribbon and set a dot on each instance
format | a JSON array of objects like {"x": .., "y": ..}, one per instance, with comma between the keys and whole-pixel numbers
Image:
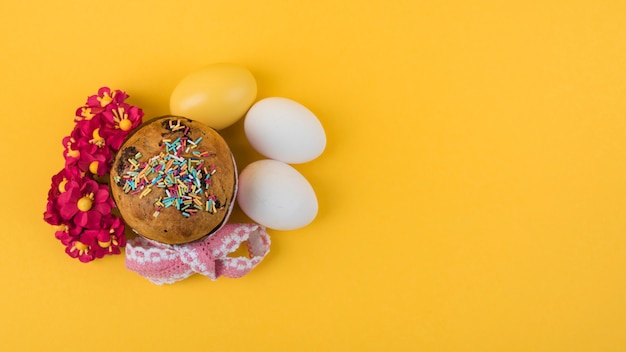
[{"x": 165, "y": 264}]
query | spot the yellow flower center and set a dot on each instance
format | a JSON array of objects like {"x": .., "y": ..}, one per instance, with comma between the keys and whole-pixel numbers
[
  {"x": 81, "y": 247},
  {"x": 60, "y": 228},
  {"x": 112, "y": 241},
  {"x": 62, "y": 185},
  {"x": 97, "y": 139},
  {"x": 93, "y": 167},
  {"x": 85, "y": 203},
  {"x": 121, "y": 119},
  {"x": 106, "y": 99},
  {"x": 86, "y": 113},
  {"x": 104, "y": 244},
  {"x": 73, "y": 153},
  {"x": 125, "y": 124}
]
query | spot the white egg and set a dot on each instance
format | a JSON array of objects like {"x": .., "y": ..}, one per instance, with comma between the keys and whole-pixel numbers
[
  {"x": 284, "y": 130},
  {"x": 276, "y": 195}
]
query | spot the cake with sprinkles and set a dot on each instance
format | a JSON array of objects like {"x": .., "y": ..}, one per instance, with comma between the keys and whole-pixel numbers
[{"x": 174, "y": 180}]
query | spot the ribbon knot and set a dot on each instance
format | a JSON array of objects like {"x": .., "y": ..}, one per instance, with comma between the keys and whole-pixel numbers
[
  {"x": 163, "y": 263},
  {"x": 198, "y": 258}
]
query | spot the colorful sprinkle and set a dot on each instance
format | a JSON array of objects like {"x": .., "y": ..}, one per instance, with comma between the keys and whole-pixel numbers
[{"x": 186, "y": 180}]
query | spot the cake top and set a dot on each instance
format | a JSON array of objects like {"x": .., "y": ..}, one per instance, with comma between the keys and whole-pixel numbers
[{"x": 174, "y": 180}]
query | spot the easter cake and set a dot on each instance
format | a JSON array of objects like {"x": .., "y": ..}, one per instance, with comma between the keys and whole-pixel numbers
[{"x": 174, "y": 180}]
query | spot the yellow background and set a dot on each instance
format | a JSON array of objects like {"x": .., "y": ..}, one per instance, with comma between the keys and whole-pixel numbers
[{"x": 472, "y": 193}]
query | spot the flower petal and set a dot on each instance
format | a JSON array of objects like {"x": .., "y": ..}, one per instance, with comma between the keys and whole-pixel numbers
[
  {"x": 101, "y": 195},
  {"x": 68, "y": 210},
  {"x": 101, "y": 208},
  {"x": 88, "y": 219}
]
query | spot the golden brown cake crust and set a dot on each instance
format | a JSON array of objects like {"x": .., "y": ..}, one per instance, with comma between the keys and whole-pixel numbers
[{"x": 181, "y": 215}]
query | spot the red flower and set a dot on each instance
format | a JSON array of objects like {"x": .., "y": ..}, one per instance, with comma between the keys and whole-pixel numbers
[
  {"x": 78, "y": 243},
  {"x": 59, "y": 182},
  {"x": 51, "y": 215},
  {"x": 105, "y": 97},
  {"x": 88, "y": 244},
  {"x": 95, "y": 243},
  {"x": 72, "y": 149},
  {"x": 79, "y": 206},
  {"x": 83, "y": 246},
  {"x": 94, "y": 160},
  {"x": 88, "y": 113},
  {"x": 119, "y": 121},
  {"x": 106, "y": 120},
  {"x": 110, "y": 237},
  {"x": 67, "y": 234},
  {"x": 85, "y": 203},
  {"x": 87, "y": 127}
]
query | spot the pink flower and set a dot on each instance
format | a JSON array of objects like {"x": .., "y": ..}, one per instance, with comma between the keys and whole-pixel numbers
[
  {"x": 80, "y": 141},
  {"x": 119, "y": 122},
  {"x": 87, "y": 127},
  {"x": 105, "y": 96},
  {"x": 59, "y": 181},
  {"x": 96, "y": 243},
  {"x": 89, "y": 244},
  {"x": 78, "y": 243},
  {"x": 67, "y": 234},
  {"x": 72, "y": 149},
  {"x": 110, "y": 238},
  {"x": 94, "y": 160},
  {"x": 88, "y": 113},
  {"x": 78, "y": 206},
  {"x": 85, "y": 203},
  {"x": 105, "y": 121},
  {"x": 83, "y": 246},
  {"x": 52, "y": 215}
]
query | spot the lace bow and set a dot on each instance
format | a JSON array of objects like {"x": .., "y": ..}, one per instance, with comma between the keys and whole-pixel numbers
[{"x": 165, "y": 264}]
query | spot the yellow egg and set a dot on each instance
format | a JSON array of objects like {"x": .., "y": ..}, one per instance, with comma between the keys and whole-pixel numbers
[{"x": 217, "y": 95}]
